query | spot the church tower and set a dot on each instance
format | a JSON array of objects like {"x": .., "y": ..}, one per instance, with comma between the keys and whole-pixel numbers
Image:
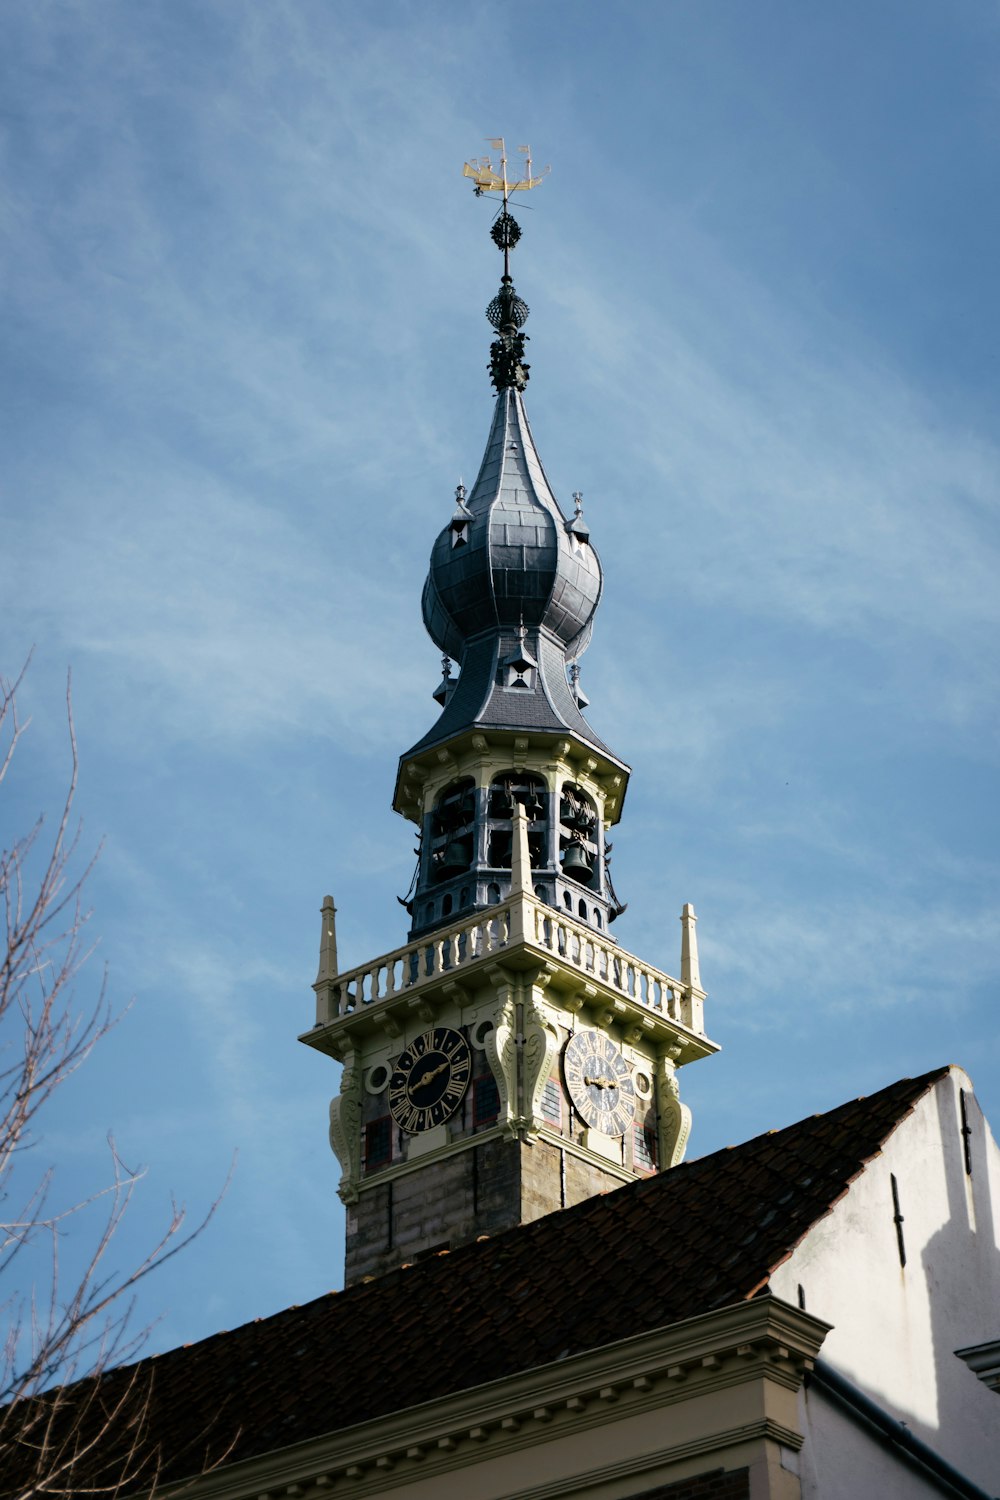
[{"x": 511, "y": 1058}]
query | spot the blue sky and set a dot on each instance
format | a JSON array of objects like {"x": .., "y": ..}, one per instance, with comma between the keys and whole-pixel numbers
[{"x": 243, "y": 369}]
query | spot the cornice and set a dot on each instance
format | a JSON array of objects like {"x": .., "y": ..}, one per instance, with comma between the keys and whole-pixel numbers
[
  {"x": 437, "y": 1153},
  {"x": 764, "y": 1430},
  {"x": 764, "y": 1339},
  {"x": 493, "y": 1133}
]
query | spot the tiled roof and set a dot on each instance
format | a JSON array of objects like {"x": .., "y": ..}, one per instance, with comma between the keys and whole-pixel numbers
[{"x": 701, "y": 1236}]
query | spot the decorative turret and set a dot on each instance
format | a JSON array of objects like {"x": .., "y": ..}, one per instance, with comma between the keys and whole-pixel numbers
[{"x": 510, "y": 596}]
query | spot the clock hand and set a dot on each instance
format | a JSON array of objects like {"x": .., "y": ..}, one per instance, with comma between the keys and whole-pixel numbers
[
  {"x": 430, "y": 1075},
  {"x": 601, "y": 1083}
]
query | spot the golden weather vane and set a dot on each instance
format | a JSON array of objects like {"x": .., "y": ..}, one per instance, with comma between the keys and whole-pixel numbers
[{"x": 488, "y": 178}]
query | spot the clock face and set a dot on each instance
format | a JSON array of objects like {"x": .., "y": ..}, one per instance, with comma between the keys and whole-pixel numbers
[
  {"x": 430, "y": 1079},
  {"x": 599, "y": 1082}
]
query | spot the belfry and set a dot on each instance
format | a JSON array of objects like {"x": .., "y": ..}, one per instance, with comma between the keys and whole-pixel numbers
[{"x": 512, "y": 1058}]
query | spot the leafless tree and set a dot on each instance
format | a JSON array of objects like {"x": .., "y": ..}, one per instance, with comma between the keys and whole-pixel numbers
[{"x": 63, "y": 1414}]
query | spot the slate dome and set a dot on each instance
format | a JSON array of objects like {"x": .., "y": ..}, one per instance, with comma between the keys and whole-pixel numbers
[{"x": 509, "y": 557}]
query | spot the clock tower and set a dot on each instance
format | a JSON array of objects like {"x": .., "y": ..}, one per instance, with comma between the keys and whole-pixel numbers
[{"x": 511, "y": 1058}]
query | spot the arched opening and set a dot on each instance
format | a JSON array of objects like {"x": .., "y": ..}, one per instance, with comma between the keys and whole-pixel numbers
[
  {"x": 505, "y": 790},
  {"x": 453, "y": 830},
  {"x": 579, "y": 831}
]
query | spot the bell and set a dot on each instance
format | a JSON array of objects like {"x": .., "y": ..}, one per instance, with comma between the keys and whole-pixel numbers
[
  {"x": 576, "y": 863},
  {"x": 533, "y": 807},
  {"x": 457, "y": 857}
]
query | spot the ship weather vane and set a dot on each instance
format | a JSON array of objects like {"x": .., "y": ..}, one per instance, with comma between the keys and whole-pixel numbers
[{"x": 507, "y": 312}]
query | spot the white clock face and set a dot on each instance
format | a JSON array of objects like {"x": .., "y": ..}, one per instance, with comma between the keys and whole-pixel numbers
[{"x": 599, "y": 1082}]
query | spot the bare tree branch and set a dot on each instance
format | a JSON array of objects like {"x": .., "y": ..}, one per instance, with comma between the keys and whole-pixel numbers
[{"x": 74, "y": 1428}]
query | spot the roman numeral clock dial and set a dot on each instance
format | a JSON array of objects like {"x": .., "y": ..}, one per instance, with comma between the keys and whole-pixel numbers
[
  {"x": 599, "y": 1082},
  {"x": 430, "y": 1079}
]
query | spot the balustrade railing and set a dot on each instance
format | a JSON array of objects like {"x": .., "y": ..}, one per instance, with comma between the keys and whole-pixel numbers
[{"x": 489, "y": 933}]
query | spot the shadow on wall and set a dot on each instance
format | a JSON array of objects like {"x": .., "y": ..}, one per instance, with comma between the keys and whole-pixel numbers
[{"x": 961, "y": 1268}]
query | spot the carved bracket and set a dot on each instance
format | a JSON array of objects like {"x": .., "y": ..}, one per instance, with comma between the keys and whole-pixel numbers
[
  {"x": 674, "y": 1124},
  {"x": 577, "y": 1001},
  {"x": 460, "y": 994},
  {"x": 501, "y": 1050},
  {"x": 541, "y": 1043},
  {"x": 345, "y": 1131}
]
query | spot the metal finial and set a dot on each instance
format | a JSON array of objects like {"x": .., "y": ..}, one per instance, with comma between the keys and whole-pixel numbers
[
  {"x": 506, "y": 231},
  {"x": 446, "y": 668},
  {"x": 507, "y": 312},
  {"x": 578, "y": 502},
  {"x": 460, "y": 492}
]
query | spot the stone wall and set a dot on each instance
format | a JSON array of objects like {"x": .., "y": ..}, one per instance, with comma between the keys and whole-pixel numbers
[{"x": 484, "y": 1190}]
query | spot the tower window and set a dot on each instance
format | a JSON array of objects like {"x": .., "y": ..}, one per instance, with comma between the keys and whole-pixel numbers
[
  {"x": 643, "y": 1148},
  {"x": 530, "y": 791},
  {"x": 579, "y": 832},
  {"x": 378, "y": 1143},
  {"x": 485, "y": 1099},
  {"x": 552, "y": 1104},
  {"x": 452, "y": 830},
  {"x": 519, "y": 670}
]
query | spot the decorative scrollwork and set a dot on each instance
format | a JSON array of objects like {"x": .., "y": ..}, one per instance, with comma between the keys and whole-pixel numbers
[
  {"x": 506, "y": 231},
  {"x": 541, "y": 1045},
  {"x": 675, "y": 1117},
  {"x": 508, "y": 368},
  {"x": 345, "y": 1132},
  {"x": 501, "y": 1051}
]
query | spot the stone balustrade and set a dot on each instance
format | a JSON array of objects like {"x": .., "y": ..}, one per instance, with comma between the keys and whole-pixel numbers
[{"x": 521, "y": 921}]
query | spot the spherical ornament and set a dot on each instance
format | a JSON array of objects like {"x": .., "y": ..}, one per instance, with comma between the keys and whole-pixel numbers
[{"x": 507, "y": 307}]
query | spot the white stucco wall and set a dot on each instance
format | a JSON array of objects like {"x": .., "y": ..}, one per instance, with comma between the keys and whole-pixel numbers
[
  {"x": 838, "y": 1462},
  {"x": 895, "y": 1329}
]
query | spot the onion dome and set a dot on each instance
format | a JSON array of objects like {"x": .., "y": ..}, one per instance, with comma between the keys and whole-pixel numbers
[
  {"x": 513, "y": 583},
  {"x": 509, "y": 558}
]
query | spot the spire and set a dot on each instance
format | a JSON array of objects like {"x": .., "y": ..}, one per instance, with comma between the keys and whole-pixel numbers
[{"x": 511, "y": 788}]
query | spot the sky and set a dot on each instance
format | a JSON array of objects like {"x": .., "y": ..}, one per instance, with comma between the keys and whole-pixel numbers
[{"x": 243, "y": 369}]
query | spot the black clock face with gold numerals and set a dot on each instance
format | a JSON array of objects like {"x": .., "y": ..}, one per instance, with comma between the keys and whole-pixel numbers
[
  {"x": 599, "y": 1082},
  {"x": 430, "y": 1079}
]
